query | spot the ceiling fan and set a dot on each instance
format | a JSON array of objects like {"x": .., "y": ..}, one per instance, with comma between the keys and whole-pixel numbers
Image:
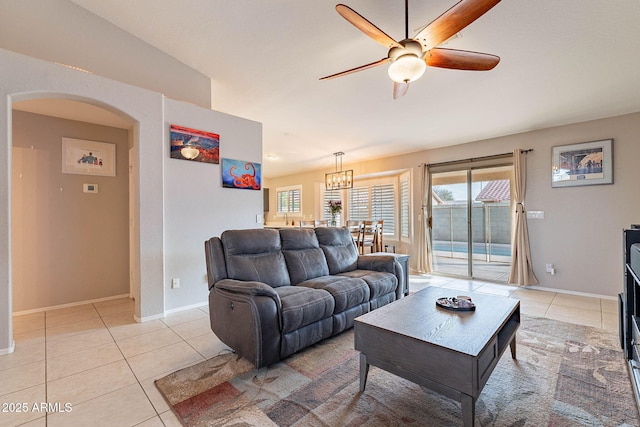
[{"x": 410, "y": 57}]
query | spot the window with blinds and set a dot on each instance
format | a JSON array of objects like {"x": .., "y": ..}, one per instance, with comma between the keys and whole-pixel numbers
[
  {"x": 383, "y": 206},
  {"x": 326, "y": 212},
  {"x": 359, "y": 204},
  {"x": 289, "y": 200},
  {"x": 404, "y": 207},
  {"x": 374, "y": 202}
]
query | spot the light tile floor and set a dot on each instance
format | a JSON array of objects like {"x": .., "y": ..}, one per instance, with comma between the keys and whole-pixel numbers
[{"x": 101, "y": 363}]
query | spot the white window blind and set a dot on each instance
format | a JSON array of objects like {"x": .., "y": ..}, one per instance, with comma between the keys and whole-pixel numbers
[
  {"x": 289, "y": 201},
  {"x": 359, "y": 203},
  {"x": 404, "y": 208},
  {"x": 383, "y": 206}
]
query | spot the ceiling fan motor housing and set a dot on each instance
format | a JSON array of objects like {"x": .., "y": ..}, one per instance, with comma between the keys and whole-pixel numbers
[{"x": 409, "y": 46}]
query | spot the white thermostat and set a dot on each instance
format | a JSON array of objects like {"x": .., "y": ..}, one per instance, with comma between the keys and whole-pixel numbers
[{"x": 90, "y": 188}]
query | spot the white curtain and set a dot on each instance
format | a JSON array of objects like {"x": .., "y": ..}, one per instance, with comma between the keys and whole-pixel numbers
[
  {"x": 425, "y": 264},
  {"x": 521, "y": 267}
]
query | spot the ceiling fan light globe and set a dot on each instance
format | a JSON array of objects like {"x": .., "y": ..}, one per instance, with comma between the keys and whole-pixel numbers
[{"x": 407, "y": 68}]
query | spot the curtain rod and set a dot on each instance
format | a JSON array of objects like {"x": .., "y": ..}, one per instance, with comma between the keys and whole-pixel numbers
[{"x": 475, "y": 159}]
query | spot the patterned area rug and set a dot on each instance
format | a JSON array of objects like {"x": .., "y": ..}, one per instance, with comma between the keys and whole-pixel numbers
[{"x": 564, "y": 375}]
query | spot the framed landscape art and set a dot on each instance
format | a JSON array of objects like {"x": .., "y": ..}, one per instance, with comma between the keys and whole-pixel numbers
[
  {"x": 84, "y": 157},
  {"x": 195, "y": 145},
  {"x": 586, "y": 163},
  {"x": 241, "y": 174}
]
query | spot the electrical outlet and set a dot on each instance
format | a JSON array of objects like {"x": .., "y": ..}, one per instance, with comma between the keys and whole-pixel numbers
[
  {"x": 175, "y": 283},
  {"x": 549, "y": 267}
]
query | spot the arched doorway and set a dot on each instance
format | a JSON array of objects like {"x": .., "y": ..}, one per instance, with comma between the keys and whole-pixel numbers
[
  {"x": 24, "y": 78},
  {"x": 70, "y": 227}
]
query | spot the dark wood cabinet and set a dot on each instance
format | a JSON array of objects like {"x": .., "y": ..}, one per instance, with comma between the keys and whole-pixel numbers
[{"x": 629, "y": 310}]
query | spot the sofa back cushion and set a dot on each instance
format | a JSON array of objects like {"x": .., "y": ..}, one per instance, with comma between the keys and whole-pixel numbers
[
  {"x": 305, "y": 260},
  {"x": 338, "y": 247},
  {"x": 255, "y": 255}
]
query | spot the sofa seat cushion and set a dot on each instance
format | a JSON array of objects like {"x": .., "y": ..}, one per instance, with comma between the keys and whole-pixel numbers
[
  {"x": 380, "y": 283},
  {"x": 347, "y": 292},
  {"x": 303, "y": 306}
]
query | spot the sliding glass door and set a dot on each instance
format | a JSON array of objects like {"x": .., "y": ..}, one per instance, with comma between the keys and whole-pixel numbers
[{"x": 471, "y": 222}]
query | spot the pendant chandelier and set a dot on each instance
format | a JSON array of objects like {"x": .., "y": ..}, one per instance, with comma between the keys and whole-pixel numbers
[{"x": 339, "y": 179}]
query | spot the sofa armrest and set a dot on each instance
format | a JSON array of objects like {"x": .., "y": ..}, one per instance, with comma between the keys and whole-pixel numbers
[
  {"x": 384, "y": 263},
  {"x": 246, "y": 317},
  {"x": 248, "y": 288}
]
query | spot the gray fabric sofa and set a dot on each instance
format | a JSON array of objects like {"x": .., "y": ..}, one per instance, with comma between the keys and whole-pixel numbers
[{"x": 275, "y": 292}]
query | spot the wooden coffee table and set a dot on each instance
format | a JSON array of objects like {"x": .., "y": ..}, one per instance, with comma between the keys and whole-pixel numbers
[{"x": 450, "y": 352}]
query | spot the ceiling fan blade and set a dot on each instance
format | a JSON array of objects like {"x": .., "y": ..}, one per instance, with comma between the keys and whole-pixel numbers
[
  {"x": 452, "y": 21},
  {"x": 400, "y": 89},
  {"x": 460, "y": 59},
  {"x": 361, "y": 23},
  {"x": 353, "y": 70}
]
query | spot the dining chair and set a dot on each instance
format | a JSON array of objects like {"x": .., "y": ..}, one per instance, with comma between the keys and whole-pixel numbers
[
  {"x": 367, "y": 236},
  {"x": 378, "y": 235},
  {"x": 307, "y": 224},
  {"x": 355, "y": 227},
  {"x": 320, "y": 223}
]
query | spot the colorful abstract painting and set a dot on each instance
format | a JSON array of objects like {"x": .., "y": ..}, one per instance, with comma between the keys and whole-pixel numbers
[
  {"x": 195, "y": 145},
  {"x": 241, "y": 174}
]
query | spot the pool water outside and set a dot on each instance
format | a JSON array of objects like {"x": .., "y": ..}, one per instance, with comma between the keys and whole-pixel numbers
[{"x": 478, "y": 248}]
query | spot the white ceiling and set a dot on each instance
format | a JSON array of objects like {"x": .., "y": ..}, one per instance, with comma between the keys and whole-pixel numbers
[{"x": 562, "y": 61}]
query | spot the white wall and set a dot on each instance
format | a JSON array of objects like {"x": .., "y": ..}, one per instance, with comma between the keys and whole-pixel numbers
[
  {"x": 582, "y": 230},
  {"x": 61, "y": 31},
  {"x": 24, "y": 78},
  {"x": 197, "y": 207}
]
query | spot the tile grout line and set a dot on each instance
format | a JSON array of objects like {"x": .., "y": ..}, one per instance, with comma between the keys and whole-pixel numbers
[{"x": 130, "y": 369}]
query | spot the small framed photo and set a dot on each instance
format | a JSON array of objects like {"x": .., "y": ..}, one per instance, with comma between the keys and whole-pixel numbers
[
  {"x": 195, "y": 145},
  {"x": 586, "y": 163},
  {"x": 84, "y": 157},
  {"x": 241, "y": 174}
]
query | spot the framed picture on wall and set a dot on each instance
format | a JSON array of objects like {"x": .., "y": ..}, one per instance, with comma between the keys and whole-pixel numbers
[
  {"x": 586, "y": 163},
  {"x": 195, "y": 145},
  {"x": 241, "y": 174},
  {"x": 84, "y": 157}
]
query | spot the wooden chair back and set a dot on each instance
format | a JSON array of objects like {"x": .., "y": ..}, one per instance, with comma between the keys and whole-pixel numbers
[
  {"x": 367, "y": 236},
  {"x": 379, "y": 231},
  {"x": 355, "y": 228}
]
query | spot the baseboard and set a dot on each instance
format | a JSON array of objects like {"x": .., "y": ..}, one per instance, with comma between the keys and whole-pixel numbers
[
  {"x": 534, "y": 287},
  {"x": 73, "y": 304},
  {"x": 186, "y": 307},
  {"x": 9, "y": 350},
  {"x": 148, "y": 318},
  {"x": 171, "y": 311},
  {"x": 564, "y": 291}
]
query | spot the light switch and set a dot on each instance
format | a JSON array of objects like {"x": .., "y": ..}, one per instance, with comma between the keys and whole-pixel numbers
[{"x": 535, "y": 214}]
